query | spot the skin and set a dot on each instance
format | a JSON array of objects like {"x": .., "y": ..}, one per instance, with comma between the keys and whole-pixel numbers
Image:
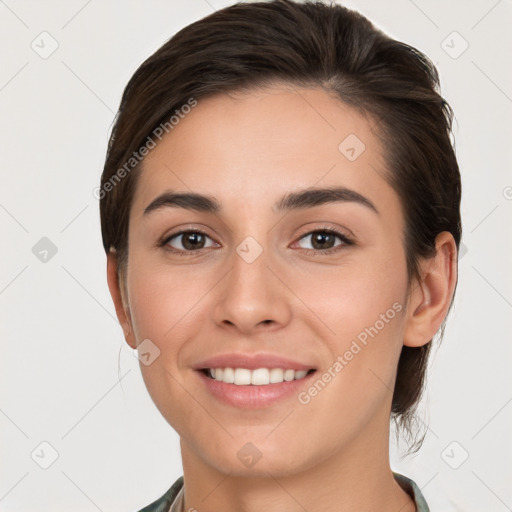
[{"x": 248, "y": 150}]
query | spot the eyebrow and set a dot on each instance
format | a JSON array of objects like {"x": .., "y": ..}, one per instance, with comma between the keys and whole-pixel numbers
[{"x": 307, "y": 198}]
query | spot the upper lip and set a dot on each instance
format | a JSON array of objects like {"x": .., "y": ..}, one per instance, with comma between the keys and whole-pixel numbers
[{"x": 251, "y": 362}]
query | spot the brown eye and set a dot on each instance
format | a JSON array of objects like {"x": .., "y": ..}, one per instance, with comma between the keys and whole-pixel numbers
[
  {"x": 193, "y": 241},
  {"x": 188, "y": 241},
  {"x": 323, "y": 240}
]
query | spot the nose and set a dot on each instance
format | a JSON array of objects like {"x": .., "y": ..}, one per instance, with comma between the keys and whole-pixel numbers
[{"x": 253, "y": 296}]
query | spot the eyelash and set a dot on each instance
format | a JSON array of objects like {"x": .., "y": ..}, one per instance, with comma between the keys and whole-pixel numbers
[{"x": 346, "y": 241}]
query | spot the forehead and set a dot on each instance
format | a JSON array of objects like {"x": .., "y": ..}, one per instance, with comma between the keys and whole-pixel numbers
[{"x": 250, "y": 148}]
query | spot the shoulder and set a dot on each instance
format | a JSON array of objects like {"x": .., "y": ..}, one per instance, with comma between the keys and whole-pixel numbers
[
  {"x": 163, "y": 503},
  {"x": 413, "y": 490}
]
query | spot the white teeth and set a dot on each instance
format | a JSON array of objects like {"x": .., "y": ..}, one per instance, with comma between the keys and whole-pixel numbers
[
  {"x": 258, "y": 377},
  {"x": 242, "y": 377},
  {"x": 289, "y": 375},
  {"x": 276, "y": 375},
  {"x": 228, "y": 375}
]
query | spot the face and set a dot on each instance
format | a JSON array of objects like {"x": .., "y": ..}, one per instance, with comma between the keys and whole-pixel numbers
[{"x": 269, "y": 274}]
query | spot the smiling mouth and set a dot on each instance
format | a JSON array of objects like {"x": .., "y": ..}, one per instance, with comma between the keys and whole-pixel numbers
[{"x": 257, "y": 377}]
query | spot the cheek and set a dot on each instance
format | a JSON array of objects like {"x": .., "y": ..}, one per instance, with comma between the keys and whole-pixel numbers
[
  {"x": 362, "y": 318},
  {"x": 350, "y": 298},
  {"x": 168, "y": 307},
  {"x": 162, "y": 304},
  {"x": 160, "y": 299},
  {"x": 360, "y": 309}
]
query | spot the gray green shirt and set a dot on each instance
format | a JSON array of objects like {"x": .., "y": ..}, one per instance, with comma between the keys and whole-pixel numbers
[{"x": 172, "y": 500}]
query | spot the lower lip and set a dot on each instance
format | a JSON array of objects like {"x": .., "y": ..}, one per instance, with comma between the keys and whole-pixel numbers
[{"x": 254, "y": 397}]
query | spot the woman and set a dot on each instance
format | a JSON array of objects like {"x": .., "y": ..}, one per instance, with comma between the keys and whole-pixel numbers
[{"x": 280, "y": 212}]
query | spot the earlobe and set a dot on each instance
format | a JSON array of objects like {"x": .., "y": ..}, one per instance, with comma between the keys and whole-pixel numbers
[
  {"x": 118, "y": 297},
  {"x": 431, "y": 296}
]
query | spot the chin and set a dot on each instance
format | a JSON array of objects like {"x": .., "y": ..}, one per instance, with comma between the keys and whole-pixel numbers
[
  {"x": 260, "y": 469},
  {"x": 243, "y": 458}
]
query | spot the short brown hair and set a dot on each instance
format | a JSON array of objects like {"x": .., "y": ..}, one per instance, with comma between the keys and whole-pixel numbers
[{"x": 313, "y": 44}]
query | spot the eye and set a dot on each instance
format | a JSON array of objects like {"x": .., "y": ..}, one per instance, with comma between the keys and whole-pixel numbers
[
  {"x": 187, "y": 241},
  {"x": 324, "y": 240}
]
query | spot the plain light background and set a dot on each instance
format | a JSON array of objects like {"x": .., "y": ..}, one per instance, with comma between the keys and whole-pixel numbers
[{"x": 67, "y": 378}]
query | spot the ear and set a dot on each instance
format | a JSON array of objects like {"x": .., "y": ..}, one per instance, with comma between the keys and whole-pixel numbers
[
  {"x": 116, "y": 286},
  {"x": 431, "y": 295}
]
